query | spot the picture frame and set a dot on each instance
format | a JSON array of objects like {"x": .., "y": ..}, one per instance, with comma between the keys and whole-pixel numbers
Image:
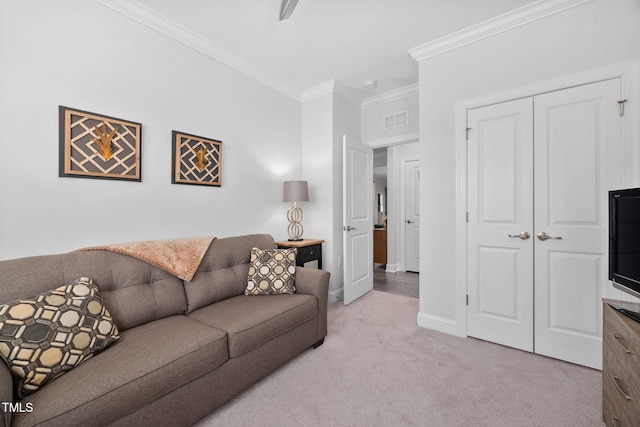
[
  {"x": 196, "y": 160},
  {"x": 98, "y": 146}
]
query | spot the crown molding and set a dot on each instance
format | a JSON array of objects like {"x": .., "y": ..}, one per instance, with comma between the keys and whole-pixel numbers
[
  {"x": 501, "y": 23},
  {"x": 341, "y": 90},
  {"x": 391, "y": 96},
  {"x": 160, "y": 23},
  {"x": 322, "y": 89},
  {"x": 332, "y": 87}
]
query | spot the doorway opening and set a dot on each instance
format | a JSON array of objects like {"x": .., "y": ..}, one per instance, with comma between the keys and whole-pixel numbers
[{"x": 396, "y": 218}]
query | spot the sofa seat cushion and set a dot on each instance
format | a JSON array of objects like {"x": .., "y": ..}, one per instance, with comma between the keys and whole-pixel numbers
[
  {"x": 251, "y": 321},
  {"x": 150, "y": 361}
]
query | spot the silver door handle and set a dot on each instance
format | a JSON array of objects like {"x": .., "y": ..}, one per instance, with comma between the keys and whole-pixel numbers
[
  {"x": 524, "y": 235},
  {"x": 544, "y": 236},
  {"x": 410, "y": 222}
]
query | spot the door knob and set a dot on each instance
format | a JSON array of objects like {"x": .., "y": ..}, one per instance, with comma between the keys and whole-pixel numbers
[
  {"x": 524, "y": 235},
  {"x": 410, "y": 222},
  {"x": 544, "y": 236},
  {"x": 349, "y": 228}
]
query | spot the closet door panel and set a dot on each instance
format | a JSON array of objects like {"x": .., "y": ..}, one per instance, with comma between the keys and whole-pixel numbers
[
  {"x": 500, "y": 204},
  {"x": 577, "y": 160},
  {"x": 573, "y": 162},
  {"x": 573, "y": 277}
]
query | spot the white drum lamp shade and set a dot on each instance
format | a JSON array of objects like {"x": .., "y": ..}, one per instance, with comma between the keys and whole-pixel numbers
[{"x": 294, "y": 192}]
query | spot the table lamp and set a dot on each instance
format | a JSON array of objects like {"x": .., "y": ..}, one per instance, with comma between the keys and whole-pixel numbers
[{"x": 295, "y": 191}]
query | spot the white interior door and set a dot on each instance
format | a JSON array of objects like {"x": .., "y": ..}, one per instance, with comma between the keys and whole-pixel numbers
[
  {"x": 500, "y": 226},
  {"x": 539, "y": 173},
  {"x": 412, "y": 214},
  {"x": 357, "y": 219},
  {"x": 577, "y": 161}
]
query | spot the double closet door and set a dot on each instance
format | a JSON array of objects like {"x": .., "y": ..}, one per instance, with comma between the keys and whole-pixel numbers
[{"x": 539, "y": 171}]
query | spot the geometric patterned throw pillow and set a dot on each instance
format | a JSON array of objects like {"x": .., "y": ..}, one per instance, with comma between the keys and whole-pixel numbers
[
  {"x": 272, "y": 271},
  {"x": 43, "y": 337}
]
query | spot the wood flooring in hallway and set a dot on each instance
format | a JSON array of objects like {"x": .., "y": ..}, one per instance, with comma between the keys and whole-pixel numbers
[{"x": 401, "y": 282}]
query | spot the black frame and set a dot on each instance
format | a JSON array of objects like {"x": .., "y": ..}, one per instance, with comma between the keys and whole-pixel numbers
[{"x": 626, "y": 284}]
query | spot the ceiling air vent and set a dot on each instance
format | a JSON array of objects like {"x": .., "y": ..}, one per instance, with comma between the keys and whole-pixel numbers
[{"x": 396, "y": 120}]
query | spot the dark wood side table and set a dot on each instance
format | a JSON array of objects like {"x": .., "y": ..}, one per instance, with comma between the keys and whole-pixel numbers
[{"x": 308, "y": 250}]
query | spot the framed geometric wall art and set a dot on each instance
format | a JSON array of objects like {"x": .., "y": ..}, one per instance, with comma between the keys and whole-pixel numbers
[
  {"x": 196, "y": 160},
  {"x": 97, "y": 146}
]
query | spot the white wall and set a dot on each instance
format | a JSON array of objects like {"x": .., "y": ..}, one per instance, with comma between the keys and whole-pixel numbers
[
  {"x": 84, "y": 55},
  {"x": 317, "y": 164},
  {"x": 325, "y": 119},
  {"x": 593, "y": 35},
  {"x": 373, "y": 113}
]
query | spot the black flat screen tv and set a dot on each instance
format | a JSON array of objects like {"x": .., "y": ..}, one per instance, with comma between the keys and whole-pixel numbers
[{"x": 624, "y": 240}]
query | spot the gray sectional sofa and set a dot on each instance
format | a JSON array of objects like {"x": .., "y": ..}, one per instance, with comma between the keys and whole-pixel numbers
[{"x": 186, "y": 347}]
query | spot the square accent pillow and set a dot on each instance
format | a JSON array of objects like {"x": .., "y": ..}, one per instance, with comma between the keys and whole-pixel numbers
[
  {"x": 272, "y": 271},
  {"x": 49, "y": 334}
]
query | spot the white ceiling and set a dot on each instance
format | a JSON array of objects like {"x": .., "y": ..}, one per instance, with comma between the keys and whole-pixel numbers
[{"x": 347, "y": 40}]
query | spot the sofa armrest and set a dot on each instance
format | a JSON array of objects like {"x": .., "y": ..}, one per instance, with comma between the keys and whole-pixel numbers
[
  {"x": 315, "y": 282},
  {"x": 6, "y": 394}
]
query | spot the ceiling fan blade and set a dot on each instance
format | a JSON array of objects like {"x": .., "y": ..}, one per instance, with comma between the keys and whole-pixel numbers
[{"x": 286, "y": 9}]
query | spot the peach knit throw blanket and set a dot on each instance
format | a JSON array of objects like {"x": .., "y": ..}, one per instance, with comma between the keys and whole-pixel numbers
[{"x": 180, "y": 257}]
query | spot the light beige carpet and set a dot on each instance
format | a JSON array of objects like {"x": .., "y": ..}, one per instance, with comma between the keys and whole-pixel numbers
[{"x": 377, "y": 368}]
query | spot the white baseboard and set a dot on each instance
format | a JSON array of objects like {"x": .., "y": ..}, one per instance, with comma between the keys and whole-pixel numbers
[
  {"x": 440, "y": 324},
  {"x": 391, "y": 268},
  {"x": 336, "y": 295}
]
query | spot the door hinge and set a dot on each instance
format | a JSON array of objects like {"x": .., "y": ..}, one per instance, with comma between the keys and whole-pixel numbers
[
  {"x": 621, "y": 103},
  {"x": 467, "y": 134},
  {"x": 467, "y": 216},
  {"x": 467, "y": 299}
]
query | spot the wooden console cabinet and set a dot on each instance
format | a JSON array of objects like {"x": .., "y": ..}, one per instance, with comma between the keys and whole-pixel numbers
[
  {"x": 380, "y": 245},
  {"x": 620, "y": 367}
]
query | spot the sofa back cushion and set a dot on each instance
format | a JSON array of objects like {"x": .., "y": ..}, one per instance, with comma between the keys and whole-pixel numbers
[
  {"x": 224, "y": 269},
  {"x": 133, "y": 291}
]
